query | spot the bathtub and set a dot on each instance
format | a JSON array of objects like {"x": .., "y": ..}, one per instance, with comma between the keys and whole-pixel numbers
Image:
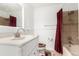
[
  {"x": 73, "y": 49},
  {"x": 66, "y": 52}
]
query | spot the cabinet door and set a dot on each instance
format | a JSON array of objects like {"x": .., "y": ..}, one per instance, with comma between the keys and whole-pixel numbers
[
  {"x": 34, "y": 52},
  {"x": 29, "y": 46}
]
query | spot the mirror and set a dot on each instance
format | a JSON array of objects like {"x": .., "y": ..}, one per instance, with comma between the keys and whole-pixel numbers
[
  {"x": 4, "y": 21},
  {"x": 10, "y": 14}
]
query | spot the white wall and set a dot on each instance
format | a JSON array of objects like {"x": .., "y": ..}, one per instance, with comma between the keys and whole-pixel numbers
[
  {"x": 45, "y": 20},
  {"x": 28, "y": 18}
]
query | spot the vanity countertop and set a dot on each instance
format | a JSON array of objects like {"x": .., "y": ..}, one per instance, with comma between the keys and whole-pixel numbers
[{"x": 17, "y": 42}]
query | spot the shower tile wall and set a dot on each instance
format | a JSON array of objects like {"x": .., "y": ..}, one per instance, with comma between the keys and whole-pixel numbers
[
  {"x": 70, "y": 27},
  {"x": 78, "y": 24}
]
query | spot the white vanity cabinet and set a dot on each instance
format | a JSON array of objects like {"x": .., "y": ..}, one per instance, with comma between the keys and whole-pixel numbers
[
  {"x": 25, "y": 47},
  {"x": 30, "y": 49}
]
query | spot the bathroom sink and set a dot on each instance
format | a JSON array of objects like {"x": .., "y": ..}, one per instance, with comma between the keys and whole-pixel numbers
[{"x": 18, "y": 38}]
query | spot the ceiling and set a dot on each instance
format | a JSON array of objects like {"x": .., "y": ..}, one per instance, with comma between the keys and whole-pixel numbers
[
  {"x": 65, "y": 6},
  {"x": 16, "y": 6}
]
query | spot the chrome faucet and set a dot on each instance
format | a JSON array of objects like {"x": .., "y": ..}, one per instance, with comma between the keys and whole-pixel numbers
[{"x": 18, "y": 34}]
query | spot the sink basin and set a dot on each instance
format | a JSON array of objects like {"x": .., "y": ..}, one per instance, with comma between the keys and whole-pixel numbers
[{"x": 18, "y": 38}]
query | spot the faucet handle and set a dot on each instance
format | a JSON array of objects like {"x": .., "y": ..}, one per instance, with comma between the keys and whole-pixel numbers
[{"x": 17, "y": 34}]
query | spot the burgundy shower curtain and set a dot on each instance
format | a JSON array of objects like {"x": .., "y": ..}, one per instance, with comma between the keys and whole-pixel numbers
[
  {"x": 13, "y": 21},
  {"x": 58, "y": 43}
]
